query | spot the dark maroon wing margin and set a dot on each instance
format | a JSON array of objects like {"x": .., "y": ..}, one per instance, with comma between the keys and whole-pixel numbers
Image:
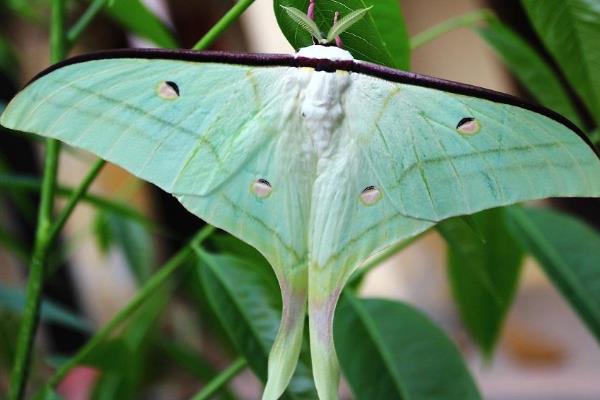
[{"x": 289, "y": 60}]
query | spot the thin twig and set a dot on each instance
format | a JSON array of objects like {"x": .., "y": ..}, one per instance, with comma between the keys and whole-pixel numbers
[
  {"x": 84, "y": 21},
  {"x": 228, "y": 19},
  {"x": 74, "y": 199},
  {"x": 463, "y": 21},
  {"x": 380, "y": 257},
  {"x": 221, "y": 380}
]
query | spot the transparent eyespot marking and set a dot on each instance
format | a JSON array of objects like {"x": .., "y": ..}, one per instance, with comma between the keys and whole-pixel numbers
[
  {"x": 261, "y": 188},
  {"x": 168, "y": 90},
  {"x": 370, "y": 195},
  {"x": 468, "y": 126}
]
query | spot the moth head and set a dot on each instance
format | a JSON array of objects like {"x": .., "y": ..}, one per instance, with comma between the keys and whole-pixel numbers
[{"x": 340, "y": 25}]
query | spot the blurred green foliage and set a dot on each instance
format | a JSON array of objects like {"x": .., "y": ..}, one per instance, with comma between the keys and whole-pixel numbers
[{"x": 387, "y": 349}]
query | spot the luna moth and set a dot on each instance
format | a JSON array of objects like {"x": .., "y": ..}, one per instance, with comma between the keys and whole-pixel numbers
[{"x": 316, "y": 159}]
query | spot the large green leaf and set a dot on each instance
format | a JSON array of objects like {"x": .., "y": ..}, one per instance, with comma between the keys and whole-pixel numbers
[
  {"x": 570, "y": 30},
  {"x": 13, "y": 299},
  {"x": 569, "y": 252},
  {"x": 389, "y": 350},
  {"x": 483, "y": 275},
  {"x": 529, "y": 68},
  {"x": 136, "y": 18},
  {"x": 380, "y": 37},
  {"x": 246, "y": 298}
]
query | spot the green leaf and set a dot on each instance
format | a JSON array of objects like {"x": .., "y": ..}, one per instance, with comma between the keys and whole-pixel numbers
[
  {"x": 569, "y": 252},
  {"x": 570, "y": 30},
  {"x": 246, "y": 299},
  {"x": 380, "y": 37},
  {"x": 389, "y": 350},
  {"x": 9, "y": 242},
  {"x": 529, "y": 68},
  {"x": 136, "y": 244},
  {"x": 125, "y": 360},
  {"x": 112, "y": 355},
  {"x": 226, "y": 243},
  {"x": 483, "y": 275},
  {"x": 33, "y": 10},
  {"x": 8, "y": 62},
  {"x": 595, "y": 136},
  {"x": 13, "y": 299},
  {"x": 131, "y": 238},
  {"x": 136, "y": 18},
  {"x": 102, "y": 232},
  {"x": 9, "y": 330},
  {"x": 48, "y": 394}
]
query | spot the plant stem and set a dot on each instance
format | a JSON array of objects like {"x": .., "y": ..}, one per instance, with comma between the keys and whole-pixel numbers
[
  {"x": 381, "y": 257},
  {"x": 228, "y": 19},
  {"x": 153, "y": 284},
  {"x": 74, "y": 199},
  {"x": 220, "y": 380},
  {"x": 30, "y": 320},
  {"x": 83, "y": 22},
  {"x": 463, "y": 21}
]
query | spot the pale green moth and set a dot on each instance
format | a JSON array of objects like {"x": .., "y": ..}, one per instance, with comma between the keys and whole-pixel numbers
[{"x": 316, "y": 159}]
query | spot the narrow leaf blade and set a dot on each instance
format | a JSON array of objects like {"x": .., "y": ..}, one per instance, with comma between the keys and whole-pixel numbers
[
  {"x": 483, "y": 275},
  {"x": 135, "y": 17},
  {"x": 13, "y": 299},
  {"x": 569, "y": 252},
  {"x": 529, "y": 68},
  {"x": 246, "y": 298},
  {"x": 570, "y": 30}
]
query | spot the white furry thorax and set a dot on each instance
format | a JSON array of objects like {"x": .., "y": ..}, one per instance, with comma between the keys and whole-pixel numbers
[
  {"x": 321, "y": 98},
  {"x": 325, "y": 52}
]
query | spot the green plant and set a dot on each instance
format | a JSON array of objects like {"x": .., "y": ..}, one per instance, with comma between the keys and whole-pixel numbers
[{"x": 242, "y": 291}]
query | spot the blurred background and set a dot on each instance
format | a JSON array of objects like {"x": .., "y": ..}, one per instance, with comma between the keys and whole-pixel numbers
[{"x": 545, "y": 351}]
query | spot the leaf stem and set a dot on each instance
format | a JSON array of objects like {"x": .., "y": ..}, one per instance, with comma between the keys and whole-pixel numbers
[
  {"x": 463, "y": 21},
  {"x": 30, "y": 320},
  {"x": 84, "y": 21},
  {"x": 380, "y": 257},
  {"x": 228, "y": 19},
  {"x": 153, "y": 284},
  {"x": 74, "y": 199},
  {"x": 220, "y": 380},
  {"x": 33, "y": 184}
]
